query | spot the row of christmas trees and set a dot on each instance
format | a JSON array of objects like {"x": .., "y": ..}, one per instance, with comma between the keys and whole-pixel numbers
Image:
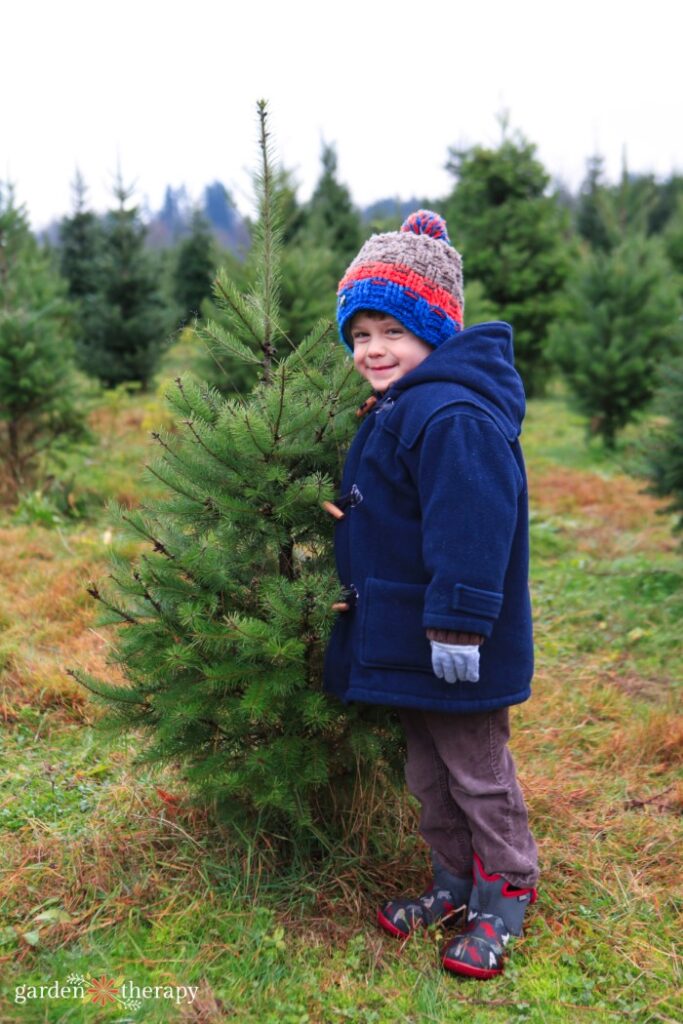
[{"x": 591, "y": 284}]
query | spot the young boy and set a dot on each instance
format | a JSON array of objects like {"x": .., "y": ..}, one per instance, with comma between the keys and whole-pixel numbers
[{"x": 432, "y": 552}]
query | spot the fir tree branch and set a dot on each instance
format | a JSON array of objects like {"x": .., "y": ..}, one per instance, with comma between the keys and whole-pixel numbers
[
  {"x": 146, "y": 593},
  {"x": 94, "y": 592},
  {"x": 174, "y": 487},
  {"x": 216, "y": 727},
  {"x": 270, "y": 239},
  {"x": 178, "y": 381},
  {"x": 309, "y": 638},
  {"x": 78, "y": 677},
  {"x": 229, "y": 465},
  {"x": 266, "y": 455},
  {"x": 158, "y": 545},
  {"x": 157, "y": 437},
  {"x": 281, "y": 406},
  {"x": 165, "y": 584},
  {"x": 237, "y": 311}
]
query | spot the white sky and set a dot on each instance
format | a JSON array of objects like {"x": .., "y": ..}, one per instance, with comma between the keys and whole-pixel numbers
[{"x": 169, "y": 89}]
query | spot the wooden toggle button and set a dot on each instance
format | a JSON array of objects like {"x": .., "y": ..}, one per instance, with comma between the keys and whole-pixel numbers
[
  {"x": 366, "y": 406},
  {"x": 333, "y": 510},
  {"x": 341, "y": 606}
]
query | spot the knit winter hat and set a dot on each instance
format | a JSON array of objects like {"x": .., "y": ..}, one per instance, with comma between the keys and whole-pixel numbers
[{"x": 413, "y": 274}]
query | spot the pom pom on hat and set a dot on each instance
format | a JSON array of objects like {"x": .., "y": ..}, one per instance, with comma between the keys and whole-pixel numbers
[
  {"x": 426, "y": 222},
  {"x": 413, "y": 274}
]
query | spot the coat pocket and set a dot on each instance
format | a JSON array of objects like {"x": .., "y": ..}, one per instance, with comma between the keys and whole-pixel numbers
[{"x": 392, "y": 634}]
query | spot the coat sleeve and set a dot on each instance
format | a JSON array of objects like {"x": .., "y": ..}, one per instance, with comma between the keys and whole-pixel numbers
[{"x": 469, "y": 486}]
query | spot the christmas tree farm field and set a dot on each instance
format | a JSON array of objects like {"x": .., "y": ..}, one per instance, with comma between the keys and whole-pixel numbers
[{"x": 109, "y": 871}]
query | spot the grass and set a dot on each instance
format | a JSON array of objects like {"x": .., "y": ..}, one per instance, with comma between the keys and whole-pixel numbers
[{"x": 108, "y": 870}]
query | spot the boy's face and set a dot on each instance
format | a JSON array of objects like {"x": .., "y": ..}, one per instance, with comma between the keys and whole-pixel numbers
[{"x": 384, "y": 350}]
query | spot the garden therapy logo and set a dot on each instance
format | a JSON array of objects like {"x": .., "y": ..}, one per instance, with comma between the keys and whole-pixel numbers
[{"x": 104, "y": 991}]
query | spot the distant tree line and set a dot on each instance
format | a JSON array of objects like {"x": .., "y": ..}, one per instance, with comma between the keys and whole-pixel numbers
[{"x": 591, "y": 281}]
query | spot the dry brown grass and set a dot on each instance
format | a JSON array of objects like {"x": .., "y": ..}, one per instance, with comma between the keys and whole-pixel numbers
[
  {"x": 608, "y": 515},
  {"x": 49, "y": 619}
]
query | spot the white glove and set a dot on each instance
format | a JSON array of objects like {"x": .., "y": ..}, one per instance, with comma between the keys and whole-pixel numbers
[{"x": 455, "y": 662}]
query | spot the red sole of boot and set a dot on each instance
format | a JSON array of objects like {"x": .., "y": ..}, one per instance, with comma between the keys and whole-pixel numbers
[
  {"x": 482, "y": 973},
  {"x": 391, "y": 929}
]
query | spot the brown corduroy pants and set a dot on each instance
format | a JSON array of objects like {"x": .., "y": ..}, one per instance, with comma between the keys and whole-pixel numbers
[{"x": 461, "y": 771}]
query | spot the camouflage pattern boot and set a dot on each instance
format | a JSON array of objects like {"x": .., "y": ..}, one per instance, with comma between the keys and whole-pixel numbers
[
  {"x": 445, "y": 900},
  {"x": 496, "y": 911}
]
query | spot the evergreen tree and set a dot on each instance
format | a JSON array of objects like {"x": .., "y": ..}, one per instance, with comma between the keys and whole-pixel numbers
[
  {"x": 224, "y": 621},
  {"x": 669, "y": 199},
  {"x": 307, "y": 291},
  {"x": 595, "y": 215},
  {"x": 514, "y": 238},
  {"x": 195, "y": 268},
  {"x": 663, "y": 447},
  {"x": 673, "y": 240},
  {"x": 40, "y": 404},
  {"x": 291, "y": 212},
  {"x": 635, "y": 198},
  {"x": 332, "y": 220},
  {"x": 637, "y": 204},
  {"x": 127, "y": 340},
  {"x": 81, "y": 242},
  {"x": 81, "y": 262},
  {"x": 624, "y": 319}
]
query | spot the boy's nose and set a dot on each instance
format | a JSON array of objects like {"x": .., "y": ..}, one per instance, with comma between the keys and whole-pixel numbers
[{"x": 376, "y": 345}]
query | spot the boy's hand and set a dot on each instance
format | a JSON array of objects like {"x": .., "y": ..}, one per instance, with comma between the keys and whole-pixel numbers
[{"x": 455, "y": 662}]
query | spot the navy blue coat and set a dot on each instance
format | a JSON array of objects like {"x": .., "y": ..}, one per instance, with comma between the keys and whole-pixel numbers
[{"x": 436, "y": 533}]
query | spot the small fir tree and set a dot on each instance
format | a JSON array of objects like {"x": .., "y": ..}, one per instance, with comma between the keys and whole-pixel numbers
[
  {"x": 596, "y": 220},
  {"x": 514, "y": 237},
  {"x": 308, "y": 285},
  {"x": 332, "y": 220},
  {"x": 81, "y": 262},
  {"x": 663, "y": 446},
  {"x": 195, "y": 268},
  {"x": 673, "y": 240},
  {"x": 40, "y": 400},
  {"x": 130, "y": 333},
  {"x": 81, "y": 243},
  {"x": 224, "y": 621},
  {"x": 624, "y": 320}
]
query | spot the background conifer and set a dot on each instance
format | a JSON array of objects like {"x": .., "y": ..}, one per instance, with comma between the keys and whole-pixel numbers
[
  {"x": 40, "y": 398},
  {"x": 194, "y": 269},
  {"x": 332, "y": 220},
  {"x": 126, "y": 338},
  {"x": 624, "y": 319},
  {"x": 514, "y": 239},
  {"x": 663, "y": 447}
]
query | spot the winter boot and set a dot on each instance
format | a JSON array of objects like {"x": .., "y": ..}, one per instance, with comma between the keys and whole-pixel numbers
[
  {"x": 445, "y": 900},
  {"x": 496, "y": 911}
]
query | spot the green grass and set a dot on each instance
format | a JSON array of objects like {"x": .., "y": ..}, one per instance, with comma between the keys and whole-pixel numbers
[{"x": 101, "y": 873}]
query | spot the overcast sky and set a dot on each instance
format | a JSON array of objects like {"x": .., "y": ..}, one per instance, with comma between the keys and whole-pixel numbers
[{"x": 169, "y": 89}]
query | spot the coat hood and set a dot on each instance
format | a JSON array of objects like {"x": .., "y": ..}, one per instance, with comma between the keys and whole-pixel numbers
[{"x": 481, "y": 361}]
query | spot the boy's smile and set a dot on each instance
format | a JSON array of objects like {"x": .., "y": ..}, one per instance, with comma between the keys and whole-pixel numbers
[{"x": 384, "y": 350}]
